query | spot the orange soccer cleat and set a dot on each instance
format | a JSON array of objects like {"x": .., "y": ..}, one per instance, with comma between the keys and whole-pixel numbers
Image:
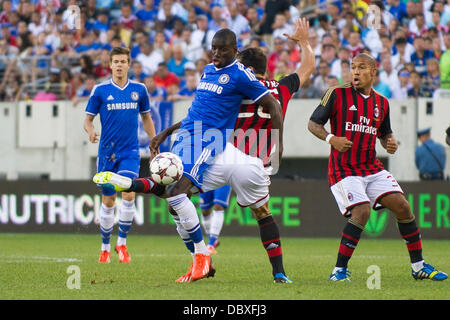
[
  {"x": 188, "y": 276},
  {"x": 124, "y": 256},
  {"x": 201, "y": 267},
  {"x": 105, "y": 257}
]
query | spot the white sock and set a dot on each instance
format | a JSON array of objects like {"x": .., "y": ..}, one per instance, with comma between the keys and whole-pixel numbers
[
  {"x": 216, "y": 222},
  {"x": 126, "y": 215},
  {"x": 416, "y": 266},
  {"x": 206, "y": 222},
  {"x": 189, "y": 220},
  {"x": 106, "y": 225}
]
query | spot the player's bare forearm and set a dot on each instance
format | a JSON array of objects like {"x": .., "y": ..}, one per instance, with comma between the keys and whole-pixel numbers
[
  {"x": 317, "y": 129},
  {"x": 160, "y": 138},
  {"x": 148, "y": 124},
  {"x": 90, "y": 129}
]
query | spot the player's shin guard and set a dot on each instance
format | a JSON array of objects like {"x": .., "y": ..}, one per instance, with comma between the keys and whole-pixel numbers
[
  {"x": 126, "y": 215},
  {"x": 270, "y": 238},
  {"x": 106, "y": 226},
  {"x": 411, "y": 235},
  {"x": 216, "y": 226},
  {"x": 187, "y": 213},
  {"x": 349, "y": 241}
]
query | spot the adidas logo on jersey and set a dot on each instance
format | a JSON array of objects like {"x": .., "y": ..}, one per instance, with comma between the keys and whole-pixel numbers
[
  {"x": 110, "y": 98},
  {"x": 352, "y": 108}
]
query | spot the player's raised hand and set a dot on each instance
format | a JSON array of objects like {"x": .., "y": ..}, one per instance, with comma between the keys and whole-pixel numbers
[
  {"x": 341, "y": 144},
  {"x": 301, "y": 32},
  {"x": 391, "y": 145},
  {"x": 154, "y": 145}
]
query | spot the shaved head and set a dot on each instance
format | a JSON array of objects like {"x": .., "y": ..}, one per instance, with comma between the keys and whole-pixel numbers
[{"x": 367, "y": 59}]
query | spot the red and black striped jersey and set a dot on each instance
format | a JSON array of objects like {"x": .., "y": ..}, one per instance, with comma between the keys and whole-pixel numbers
[
  {"x": 253, "y": 129},
  {"x": 361, "y": 120}
]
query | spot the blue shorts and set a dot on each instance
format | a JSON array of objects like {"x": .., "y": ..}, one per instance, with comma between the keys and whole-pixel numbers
[
  {"x": 219, "y": 196},
  {"x": 126, "y": 165}
]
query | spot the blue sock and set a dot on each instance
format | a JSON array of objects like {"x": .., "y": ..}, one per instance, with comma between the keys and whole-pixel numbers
[{"x": 212, "y": 239}]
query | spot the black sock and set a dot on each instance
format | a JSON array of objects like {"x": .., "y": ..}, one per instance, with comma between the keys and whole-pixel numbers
[
  {"x": 349, "y": 241},
  {"x": 411, "y": 234},
  {"x": 270, "y": 238}
]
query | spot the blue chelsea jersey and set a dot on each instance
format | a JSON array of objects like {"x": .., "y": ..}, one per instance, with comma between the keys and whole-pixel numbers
[
  {"x": 219, "y": 95},
  {"x": 119, "y": 109}
]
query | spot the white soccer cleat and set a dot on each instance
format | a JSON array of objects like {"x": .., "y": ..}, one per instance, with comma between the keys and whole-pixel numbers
[{"x": 112, "y": 180}]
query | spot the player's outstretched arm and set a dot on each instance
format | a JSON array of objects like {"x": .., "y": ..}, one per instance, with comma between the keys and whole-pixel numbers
[
  {"x": 308, "y": 60},
  {"x": 161, "y": 137},
  {"x": 273, "y": 106}
]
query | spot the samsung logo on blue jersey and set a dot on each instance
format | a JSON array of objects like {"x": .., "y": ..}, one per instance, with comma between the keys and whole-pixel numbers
[
  {"x": 210, "y": 87},
  {"x": 122, "y": 106}
]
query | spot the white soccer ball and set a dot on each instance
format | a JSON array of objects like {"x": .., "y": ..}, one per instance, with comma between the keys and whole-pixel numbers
[{"x": 166, "y": 168}]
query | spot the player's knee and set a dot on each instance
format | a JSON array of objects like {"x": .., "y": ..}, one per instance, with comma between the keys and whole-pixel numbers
[
  {"x": 403, "y": 210},
  {"x": 360, "y": 214},
  {"x": 109, "y": 201},
  {"x": 261, "y": 212}
]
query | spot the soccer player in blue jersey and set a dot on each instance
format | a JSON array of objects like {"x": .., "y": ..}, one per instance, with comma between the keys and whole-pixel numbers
[
  {"x": 213, "y": 204},
  {"x": 119, "y": 101},
  {"x": 202, "y": 138}
]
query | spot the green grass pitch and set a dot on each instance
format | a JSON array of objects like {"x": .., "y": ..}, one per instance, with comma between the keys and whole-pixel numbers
[{"x": 36, "y": 266}]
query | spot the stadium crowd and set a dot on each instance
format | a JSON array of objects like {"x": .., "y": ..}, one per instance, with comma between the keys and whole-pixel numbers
[{"x": 45, "y": 46}]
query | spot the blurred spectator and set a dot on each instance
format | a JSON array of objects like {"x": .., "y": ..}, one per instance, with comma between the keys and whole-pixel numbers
[
  {"x": 137, "y": 73},
  {"x": 400, "y": 58},
  {"x": 281, "y": 27},
  {"x": 329, "y": 54},
  {"x": 84, "y": 91},
  {"x": 417, "y": 25},
  {"x": 332, "y": 81},
  {"x": 149, "y": 58},
  {"x": 429, "y": 157},
  {"x": 320, "y": 82},
  {"x": 416, "y": 89},
  {"x": 381, "y": 87},
  {"x": 354, "y": 44},
  {"x": 87, "y": 66},
  {"x": 103, "y": 70},
  {"x": 164, "y": 78},
  {"x": 402, "y": 92},
  {"x": 271, "y": 9},
  {"x": 216, "y": 17},
  {"x": 324, "y": 25},
  {"x": 202, "y": 37},
  {"x": 200, "y": 65},
  {"x": 178, "y": 60},
  {"x": 388, "y": 75},
  {"x": 5, "y": 13},
  {"x": 346, "y": 75},
  {"x": 308, "y": 91},
  {"x": 186, "y": 93},
  {"x": 445, "y": 64},
  {"x": 177, "y": 34},
  {"x": 140, "y": 38},
  {"x": 253, "y": 20},
  {"x": 420, "y": 57},
  {"x": 148, "y": 13},
  {"x": 432, "y": 79},
  {"x": 176, "y": 9},
  {"x": 336, "y": 65},
  {"x": 11, "y": 90},
  {"x": 127, "y": 18},
  {"x": 161, "y": 46},
  {"x": 397, "y": 8},
  {"x": 155, "y": 92},
  {"x": 236, "y": 22},
  {"x": 272, "y": 61}
]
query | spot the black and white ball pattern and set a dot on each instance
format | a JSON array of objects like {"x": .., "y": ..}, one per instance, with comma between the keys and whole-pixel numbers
[{"x": 166, "y": 168}]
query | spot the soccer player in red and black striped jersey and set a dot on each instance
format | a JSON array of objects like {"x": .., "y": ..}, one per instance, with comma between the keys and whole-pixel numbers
[{"x": 358, "y": 115}]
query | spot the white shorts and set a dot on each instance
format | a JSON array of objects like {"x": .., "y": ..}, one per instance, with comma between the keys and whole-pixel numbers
[
  {"x": 354, "y": 190},
  {"x": 244, "y": 173}
]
